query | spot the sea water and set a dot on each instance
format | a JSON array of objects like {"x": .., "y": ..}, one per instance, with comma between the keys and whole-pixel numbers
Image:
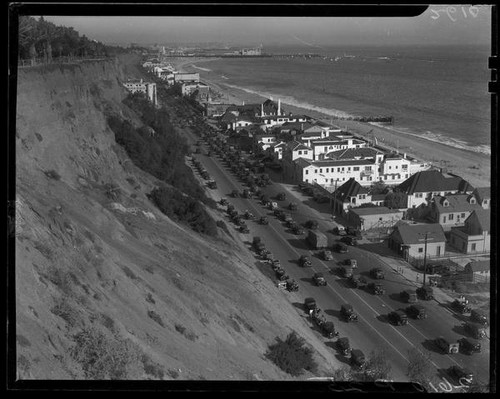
[{"x": 439, "y": 93}]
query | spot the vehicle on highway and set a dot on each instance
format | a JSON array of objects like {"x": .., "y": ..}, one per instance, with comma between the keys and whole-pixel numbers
[
  {"x": 304, "y": 261},
  {"x": 469, "y": 346},
  {"x": 288, "y": 220},
  {"x": 223, "y": 201},
  {"x": 326, "y": 255},
  {"x": 347, "y": 312},
  {"x": 339, "y": 230},
  {"x": 297, "y": 230},
  {"x": 416, "y": 311},
  {"x": 319, "y": 279},
  {"x": 248, "y": 215},
  {"x": 344, "y": 346},
  {"x": 292, "y": 285},
  {"x": 357, "y": 281},
  {"x": 352, "y": 231},
  {"x": 257, "y": 244},
  {"x": 205, "y": 175},
  {"x": 317, "y": 239},
  {"x": 212, "y": 184},
  {"x": 409, "y": 296},
  {"x": 264, "y": 220},
  {"x": 310, "y": 304},
  {"x": 292, "y": 206},
  {"x": 358, "y": 359},
  {"x": 345, "y": 271},
  {"x": 479, "y": 316},
  {"x": 350, "y": 262},
  {"x": 398, "y": 317},
  {"x": 340, "y": 248},
  {"x": 425, "y": 292},
  {"x": 311, "y": 224},
  {"x": 461, "y": 375},
  {"x": 281, "y": 196},
  {"x": 235, "y": 194},
  {"x": 376, "y": 288},
  {"x": 461, "y": 305},
  {"x": 246, "y": 193},
  {"x": 447, "y": 345},
  {"x": 349, "y": 240},
  {"x": 272, "y": 205},
  {"x": 475, "y": 330},
  {"x": 264, "y": 199},
  {"x": 244, "y": 229},
  {"x": 377, "y": 273}
]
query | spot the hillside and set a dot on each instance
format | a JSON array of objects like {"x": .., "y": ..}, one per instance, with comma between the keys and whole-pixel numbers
[{"x": 106, "y": 285}]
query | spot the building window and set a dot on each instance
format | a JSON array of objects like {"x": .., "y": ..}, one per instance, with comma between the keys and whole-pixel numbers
[
  {"x": 327, "y": 170},
  {"x": 305, "y": 152},
  {"x": 315, "y": 170},
  {"x": 462, "y": 215},
  {"x": 320, "y": 170},
  {"x": 300, "y": 152},
  {"x": 390, "y": 167},
  {"x": 307, "y": 171},
  {"x": 473, "y": 247},
  {"x": 450, "y": 216},
  {"x": 355, "y": 168},
  {"x": 406, "y": 176},
  {"x": 420, "y": 250}
]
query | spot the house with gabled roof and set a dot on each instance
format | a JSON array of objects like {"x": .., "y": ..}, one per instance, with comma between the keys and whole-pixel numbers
[
  {"x": 373, "y": 217},
  {"x": 452, "y": 210},
  {"x": 421, "y": 187},
  {"x": 483, "y": 196},
  {"x": 478, "y": 271},
  {"x": 266, "y": 140},
  {"x": 474, "y": 235},
  {"x": 409, "y": 239},
  {"x": 349, "y": 194}
]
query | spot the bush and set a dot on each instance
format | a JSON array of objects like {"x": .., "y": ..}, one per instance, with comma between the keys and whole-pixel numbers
[
  {"x": 53, "y": 174},
  {"x": 182, "y": 208},
  {"x": 101, "y": 357},
  {"x": 291, "y": 355},
  {"x": 156, "y": 317}
]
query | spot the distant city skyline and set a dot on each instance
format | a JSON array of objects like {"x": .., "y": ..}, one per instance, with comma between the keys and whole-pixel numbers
[{"x": 440, "y": 25}]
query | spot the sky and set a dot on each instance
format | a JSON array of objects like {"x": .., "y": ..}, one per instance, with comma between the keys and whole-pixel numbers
[{"x": 440, "y": 25}]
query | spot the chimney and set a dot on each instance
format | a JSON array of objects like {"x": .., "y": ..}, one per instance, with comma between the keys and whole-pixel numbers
[
  {"x": 262, "y": 109},
  {"x": 279, "y": 106}
]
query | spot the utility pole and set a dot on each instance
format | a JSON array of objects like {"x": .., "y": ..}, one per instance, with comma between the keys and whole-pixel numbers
[{"x": 425, "y": 257}]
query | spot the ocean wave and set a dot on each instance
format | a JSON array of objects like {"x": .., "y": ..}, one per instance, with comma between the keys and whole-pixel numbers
[
  {"x": 439, "y": 138},
  {"x": 203, "y": 69},
  {"x": 289, "y": 100}
]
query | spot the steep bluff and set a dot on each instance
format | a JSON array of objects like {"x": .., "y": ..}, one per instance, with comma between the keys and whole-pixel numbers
[{"x": 106, "y": 285}]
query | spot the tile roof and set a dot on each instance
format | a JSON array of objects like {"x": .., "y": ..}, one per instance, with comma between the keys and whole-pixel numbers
[
  {"x": 415, "y": 233},
  {"x": 456, "y": 203},
  {"x": 345, "y": 162},
  {"x": 433, "y": 180},
  {"x": 303, "y": 163},
  {"x": 375, "y": 210},
  {"x": 352, "y": 153}
]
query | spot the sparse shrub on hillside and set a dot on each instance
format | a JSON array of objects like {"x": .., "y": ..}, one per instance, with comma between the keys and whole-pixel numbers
[
  {"x": 65, "y": 311},
  {"x": 151, "y": 368},
  {"x": 52, "y": 174},
  {"x": 112, "y": 191},
  {"x": 291, "y": 355},
  {"x": 150, "y": 299},
  {"x": 187, "y": 333},
  {"x": 173, "y": 373},
  {"x": 156, "y": 317},
  {"x": 102, "y": 357}
]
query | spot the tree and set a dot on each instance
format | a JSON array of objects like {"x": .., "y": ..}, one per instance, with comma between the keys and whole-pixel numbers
[
  {"x": 378, "y": 187},
  {"x": 396, "y": 200},
  {"x": 377, "y": 367},
  {"x": 420, "y": 368}
]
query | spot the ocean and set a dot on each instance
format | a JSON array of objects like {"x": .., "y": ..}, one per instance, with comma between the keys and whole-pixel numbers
[{"x": 435, "y": 92}]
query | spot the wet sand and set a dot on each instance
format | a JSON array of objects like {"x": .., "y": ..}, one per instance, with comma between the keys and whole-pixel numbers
[{"x": 473, "y": 167}]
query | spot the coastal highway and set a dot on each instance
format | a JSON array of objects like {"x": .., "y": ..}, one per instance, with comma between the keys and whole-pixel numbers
[{"x": 372, "y": 331}]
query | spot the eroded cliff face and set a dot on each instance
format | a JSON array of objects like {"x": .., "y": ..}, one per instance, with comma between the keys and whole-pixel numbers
[{"x": 107, "y": 286}]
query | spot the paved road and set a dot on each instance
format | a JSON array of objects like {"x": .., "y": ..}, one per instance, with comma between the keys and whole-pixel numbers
[{"x": 373, "y": 330}]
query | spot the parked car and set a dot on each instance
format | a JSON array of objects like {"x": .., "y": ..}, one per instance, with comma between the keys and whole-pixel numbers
[
  {"x": 376, "y": 288},
  {"x": 358, "y": 359},
  {"x": 350, "y": 262},
  {"x": 310, "y": 304},
  {"x": 352, "y": 231},
  {"x": 416, "y": 311},
  {"x": 339, "y": 230},
  {"x": 347, "y": 312},
  {"x": 469, "y": 346},
  {"x": 327, "y": 255},
  {"x": 349, "y": 240},
  {"x": 319, "y": 279},
  {"x": 425, "y": 292},
  {"x": 479, "y": 316},
  {"x": 377, "y": 273},
  {"x": 357, "y": 281},
  {"x": 398, "y": 317},
  {"x": 344, "y": 346},
  {"x": 312, "y": 224},
  {"x": 447, "y": 346},
  {"x": 475, "y": 330},
  {"x": 341, "y": 248},
  {"x": 462, "y": 375},
  {"x": 409, "y": 296}
]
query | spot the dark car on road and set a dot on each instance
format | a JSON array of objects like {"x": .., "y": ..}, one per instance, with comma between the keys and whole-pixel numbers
[
  {"x": 349, "y": 240},
  {"x": 469, "y": 346},
  {"x": 462, "y": 375},
  {"x": 398, "y": 317},
  {"x": 340, "y": 247}
]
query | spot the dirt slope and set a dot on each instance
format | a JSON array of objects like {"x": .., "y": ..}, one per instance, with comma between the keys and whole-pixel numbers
[{"x": 107, "y": 286}]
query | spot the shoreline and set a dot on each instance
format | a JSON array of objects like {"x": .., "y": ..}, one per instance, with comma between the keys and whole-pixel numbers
[{"x": 474, "y": 167}]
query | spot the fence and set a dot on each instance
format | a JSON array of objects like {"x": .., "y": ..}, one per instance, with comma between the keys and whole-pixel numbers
[{"x": 58, "y": 60}]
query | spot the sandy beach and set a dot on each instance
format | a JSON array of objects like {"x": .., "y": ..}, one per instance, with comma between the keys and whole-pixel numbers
[{"x": 473, "y": 167}]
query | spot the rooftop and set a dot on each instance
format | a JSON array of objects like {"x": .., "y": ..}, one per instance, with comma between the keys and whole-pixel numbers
[
  {"x": 483, "y": 217},
  {"x": 433, "y": 180},
  {"x": 415, "y": 233},
  {"x": 353, "y": 153},
  {"x": 375, "y": 210},
  {"x": 478, "y": 266}
]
